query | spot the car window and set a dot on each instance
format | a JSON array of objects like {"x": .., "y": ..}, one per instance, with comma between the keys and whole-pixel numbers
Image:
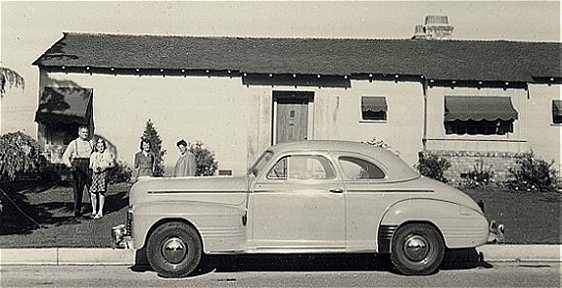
[
  {"x": 302, "y": 167},
  {"x": 261, "y": 162},
  {"x": 355, "y": 168}
]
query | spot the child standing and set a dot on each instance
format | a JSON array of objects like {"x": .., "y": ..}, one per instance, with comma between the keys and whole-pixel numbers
[{"x": 101, "y": 161}]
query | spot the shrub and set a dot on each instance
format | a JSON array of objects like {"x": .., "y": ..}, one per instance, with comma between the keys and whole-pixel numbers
[
  {"x": 205, "y": 159},
  {"x": 19, "y": 153},
  {"x": 377, "y": 143},
  {"x": 433, "y": 166},
  {"x": 120, "y": 173},
  {"x": 478, "y": 176},
  {"x": 532, "y": 174},
  {"x": 151, "y": 134}
]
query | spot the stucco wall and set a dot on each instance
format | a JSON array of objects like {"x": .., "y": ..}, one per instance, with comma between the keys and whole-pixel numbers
[
  {"x": 544, "y": 137},
  {"x": 216, "y": 111},
  {"x": 235, "y": 120},
  {"x": 338, "y": 115}
]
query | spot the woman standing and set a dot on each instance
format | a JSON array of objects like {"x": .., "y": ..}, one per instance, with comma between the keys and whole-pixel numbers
[
  {"x": 100, "y": 163},
  {"x": 144, "y": 161}
]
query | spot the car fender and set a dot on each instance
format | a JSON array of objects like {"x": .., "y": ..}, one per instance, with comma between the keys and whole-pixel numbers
[
  {"x": 222, "y": 227},
  {"x": 460, "y": 226}
]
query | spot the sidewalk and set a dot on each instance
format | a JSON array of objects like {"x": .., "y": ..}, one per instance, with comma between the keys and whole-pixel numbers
[{"x": 108, "y": 256}]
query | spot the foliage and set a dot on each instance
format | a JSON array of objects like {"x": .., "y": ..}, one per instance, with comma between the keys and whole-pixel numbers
[
  {"x": 120, "y": 173},
  {"x": 478, "y": 176},
  {"x": 532, "y": 174},
  {"x": 433, "y": 166},
  {"x": 205, "y": 159},
  {"x": 377, "y": 143},
  {"x": 151, "y": 134},
  {"x": 19, "y": 153},
  {"x": 11, "y": 77}
]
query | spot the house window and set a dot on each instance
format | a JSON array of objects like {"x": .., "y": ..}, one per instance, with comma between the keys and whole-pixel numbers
[
  {"x": 479, "y": 115},
  {"x": 557, "y": 111},
  {"x": 373, "y": 108}
]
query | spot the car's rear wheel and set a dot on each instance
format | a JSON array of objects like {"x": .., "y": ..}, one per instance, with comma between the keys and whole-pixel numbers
[
  {"x": 417, "y": 249},
  {"x": 174, "y": 249}
]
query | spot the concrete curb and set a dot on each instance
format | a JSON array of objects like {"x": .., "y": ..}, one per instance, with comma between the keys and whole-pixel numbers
[{"x": 109, "y": 256}]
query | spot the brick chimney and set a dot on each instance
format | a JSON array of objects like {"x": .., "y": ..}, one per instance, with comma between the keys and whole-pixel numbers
[{"x": 434, "y": 28}]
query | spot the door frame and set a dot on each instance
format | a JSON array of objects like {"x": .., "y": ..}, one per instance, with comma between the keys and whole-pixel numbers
[{"x": 306, "y": 96}]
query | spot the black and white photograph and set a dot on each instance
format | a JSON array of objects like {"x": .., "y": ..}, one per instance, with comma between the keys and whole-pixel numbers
[{"x": 280, "y": 143}]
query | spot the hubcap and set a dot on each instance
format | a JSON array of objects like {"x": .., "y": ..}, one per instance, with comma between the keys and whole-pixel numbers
[
  {"x": 174, "y": 250},
  {"x": 416, "y": 248}
]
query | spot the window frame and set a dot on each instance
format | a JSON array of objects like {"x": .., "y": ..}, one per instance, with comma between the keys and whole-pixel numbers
[{"x": 383, "y": 113}]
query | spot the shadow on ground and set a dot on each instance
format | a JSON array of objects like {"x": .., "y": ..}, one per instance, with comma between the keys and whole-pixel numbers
[
  {"x": 457, "y": 259},
  {"x": 30, "y": 205}
]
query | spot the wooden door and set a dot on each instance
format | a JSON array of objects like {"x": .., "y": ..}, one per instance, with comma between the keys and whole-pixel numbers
[{"x": 292, "y": 120}]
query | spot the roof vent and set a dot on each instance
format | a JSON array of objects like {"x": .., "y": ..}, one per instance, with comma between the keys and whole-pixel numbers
[{"x": 434, "y": 28}]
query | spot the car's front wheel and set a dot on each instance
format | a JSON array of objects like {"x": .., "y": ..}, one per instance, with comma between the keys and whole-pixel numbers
[
  {"x": 174, "y": 249},
  {"x": 417, "y": 249}
]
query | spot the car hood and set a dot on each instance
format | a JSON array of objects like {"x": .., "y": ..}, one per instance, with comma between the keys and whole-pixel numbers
[{"x": 217, "y": 189}]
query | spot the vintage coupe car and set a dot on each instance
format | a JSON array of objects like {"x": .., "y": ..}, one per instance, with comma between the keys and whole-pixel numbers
[{"x": 304, "y": 197}]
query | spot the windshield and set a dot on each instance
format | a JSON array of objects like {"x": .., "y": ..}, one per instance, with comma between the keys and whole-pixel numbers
[{"x": 261, "y": 162}]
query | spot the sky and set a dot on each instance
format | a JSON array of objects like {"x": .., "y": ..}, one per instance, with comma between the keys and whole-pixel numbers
[{"x": 29, "y": 28}]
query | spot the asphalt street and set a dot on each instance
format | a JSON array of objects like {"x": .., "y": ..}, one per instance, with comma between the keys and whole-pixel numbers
[{"x": 501, "y": 274}]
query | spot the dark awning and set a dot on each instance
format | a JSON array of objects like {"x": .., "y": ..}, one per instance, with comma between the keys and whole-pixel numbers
[
  {"x": 66, "y": 105},
  {"x": 478, "y": 108},
  {"x": 557, "y": 108},
  {"x": 373, "y": 104}
]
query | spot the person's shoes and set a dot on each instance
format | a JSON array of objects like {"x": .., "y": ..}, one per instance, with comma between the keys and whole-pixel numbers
[
  {"x": 98, "y": 216},
  {"x": 77, "y": 213},
  {"x": 93, "y": 215}
]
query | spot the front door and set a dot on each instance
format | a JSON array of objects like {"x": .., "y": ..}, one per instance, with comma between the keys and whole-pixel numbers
[{"x": 291, "y": 121}]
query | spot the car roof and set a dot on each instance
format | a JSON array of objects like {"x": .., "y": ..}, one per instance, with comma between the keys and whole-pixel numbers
[{"x": 397, "y": 168}]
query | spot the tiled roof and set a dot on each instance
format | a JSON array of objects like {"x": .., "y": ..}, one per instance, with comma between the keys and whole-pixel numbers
[{"x": 439, "y": 60}]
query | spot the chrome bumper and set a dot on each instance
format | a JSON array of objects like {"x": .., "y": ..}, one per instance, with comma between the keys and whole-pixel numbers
[
  {"x": 496, "y": 234},
  {"x": 121, "y": 238}
]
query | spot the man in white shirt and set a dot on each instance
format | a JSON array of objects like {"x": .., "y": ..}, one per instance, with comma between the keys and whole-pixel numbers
[{"x": 77, "y": 157}]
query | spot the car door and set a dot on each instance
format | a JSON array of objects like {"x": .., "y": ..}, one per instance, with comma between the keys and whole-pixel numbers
[
  {"x": 298, "y": 204},
  {"x": 368, "y": 195}
]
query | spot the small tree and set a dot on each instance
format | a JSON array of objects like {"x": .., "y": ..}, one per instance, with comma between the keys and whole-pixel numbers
[
  {"x": 205, "y": 159},
  {"x": 19, "y": 153},
  {"x": 11, "y": 77},
  {"x": 151, "y": 134}
]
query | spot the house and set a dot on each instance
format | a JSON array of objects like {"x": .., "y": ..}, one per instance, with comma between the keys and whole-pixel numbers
[{"x": 472, "y": 102}]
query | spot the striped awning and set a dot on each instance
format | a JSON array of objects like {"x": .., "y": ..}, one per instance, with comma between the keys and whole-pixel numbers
[
  {"x": 373, "y": 104},
  {"x": 478, "y": 108}
]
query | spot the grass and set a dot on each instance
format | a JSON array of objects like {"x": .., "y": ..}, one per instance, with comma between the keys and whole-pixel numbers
[
  {"x": 530, "y": 218},
  {"x": 51, "y": 208}
]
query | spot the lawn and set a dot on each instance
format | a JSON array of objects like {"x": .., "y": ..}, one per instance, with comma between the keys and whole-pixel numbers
[
  {"x": 51, "y": 207},
  {"x": 530, "y": 218}
]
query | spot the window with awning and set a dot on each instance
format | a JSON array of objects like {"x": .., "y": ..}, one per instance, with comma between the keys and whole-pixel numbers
[
  {"x": 486, "y": 115},
  {"x": 68, "y": 105},
  {"x": 557, "y": 111},
  {"x": 374, "y": 107}
]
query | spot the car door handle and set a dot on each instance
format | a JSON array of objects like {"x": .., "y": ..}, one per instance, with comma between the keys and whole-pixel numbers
[{"x": 336, "y": 190}]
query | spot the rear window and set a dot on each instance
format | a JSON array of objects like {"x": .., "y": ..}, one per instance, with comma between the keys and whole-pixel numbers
[{"x": 358, "y": 169}]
